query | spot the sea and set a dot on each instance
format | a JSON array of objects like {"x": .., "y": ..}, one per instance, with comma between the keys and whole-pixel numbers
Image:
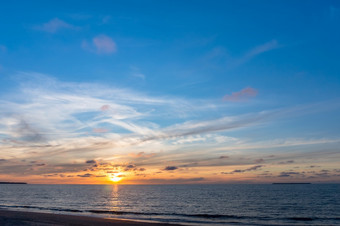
[{"x": 227, "y": 204}]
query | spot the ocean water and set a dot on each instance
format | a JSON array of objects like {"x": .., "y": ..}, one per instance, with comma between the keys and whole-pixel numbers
[{"x": 281, "y": 204}]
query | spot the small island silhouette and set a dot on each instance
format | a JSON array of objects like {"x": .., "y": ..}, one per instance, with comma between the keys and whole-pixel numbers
[
  {"x": 292, "y": 183},
  {"x": 6, "y": 182}
]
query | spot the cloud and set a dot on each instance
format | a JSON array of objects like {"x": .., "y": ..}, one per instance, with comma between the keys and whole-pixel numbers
[
  {"x": 100, "y": 130},
  {"x": 101, "y": 44},
  {"x": 52, "y": 121},
  {"x": 105, "y": 107},
  {"x": 259, "y": 160},
  {"x": 142, "y": 154},
  {"x": 244, "y": 170},
  {"x": 54, "y": 26},
  {"x": 312, "y": 166},
  {"x": 326, "y": 173},
  {"x": 130, "y": 167},
  {"x": 26, "y": 132},
  {"x": 170, "y": 168},
  {"x": 135, "y": 72},
  {"x": 223, "y": 157},
  {"x": 174, "y": 181},
  {"x": 288, "y": 174},
  {"x": 286, "y": 162},
  {"x": 104, "y": 44},
  {"x": 268, "y": 46},
  {"x": 206, "y": 126},
  {"x": 85, "y": 175},
  {"x": 139, "y": 75},
  {"x": 40, "y": 164},
  {"x": 281, "y": 143},
  {"x": 241, "y": 95},
  {"x": 273, "y": 44}
]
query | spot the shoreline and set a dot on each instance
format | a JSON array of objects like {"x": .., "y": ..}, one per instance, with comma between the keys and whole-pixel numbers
[{"x": 14, "y": 217}]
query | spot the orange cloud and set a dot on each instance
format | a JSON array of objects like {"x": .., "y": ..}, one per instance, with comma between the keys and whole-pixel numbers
[
  {"x": 141, "y": 155},
  {"x": 99, "y": 130}
]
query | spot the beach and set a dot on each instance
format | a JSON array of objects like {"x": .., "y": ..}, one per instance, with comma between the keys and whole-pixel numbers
[{"x": 10, "y": 218}]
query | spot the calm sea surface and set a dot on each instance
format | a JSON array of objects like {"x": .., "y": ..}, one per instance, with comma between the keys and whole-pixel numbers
[{"x": 311, "y": 204}]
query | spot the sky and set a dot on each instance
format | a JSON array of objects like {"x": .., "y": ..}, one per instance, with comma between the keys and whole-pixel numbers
[{"x": 169, "y": 92}]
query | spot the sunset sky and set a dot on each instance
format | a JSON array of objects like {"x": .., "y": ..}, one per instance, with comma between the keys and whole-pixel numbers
[{"x": 158, "y": 92}]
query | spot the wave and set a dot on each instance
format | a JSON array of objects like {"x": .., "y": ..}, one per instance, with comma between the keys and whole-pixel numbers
[
  {"x": 43, "y": 208},
  {"x": 167, "y": 214},
  {"x": 193, "y": 216},
  {"x": 209, "y": 216}
]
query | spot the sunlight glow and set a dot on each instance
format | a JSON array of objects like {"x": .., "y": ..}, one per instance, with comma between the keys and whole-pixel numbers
[{"x": 116, "y": 178}]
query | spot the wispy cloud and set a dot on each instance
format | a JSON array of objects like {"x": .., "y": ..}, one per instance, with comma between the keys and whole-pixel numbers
[
  {"x": 55, "y": 107},
  {"x": 101, "y": 44},
  {"x": 261, "y": 49},
  {"x": 244, "y": 170},
  {"x": 173, "y": 180},
  {"x": 139, "y": 75},
  {"x": 136, "y": 73},
  {"x": 142, "y": 154},
  {"x": 100, "y": 130},
  {"x": 70, "y": 127},
  {"x": 268, "y": 46},
  {"x": 241, "y": 95},
  {"x": 55, "y": 25}
]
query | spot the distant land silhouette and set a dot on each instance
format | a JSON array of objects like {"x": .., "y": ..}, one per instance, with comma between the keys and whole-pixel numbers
[
  {"x": 291, "y": 183},
  {"x": 5, "y": 182}
]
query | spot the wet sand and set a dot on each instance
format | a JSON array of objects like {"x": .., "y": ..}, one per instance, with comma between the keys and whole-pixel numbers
[{"x": 10, "y": 218}]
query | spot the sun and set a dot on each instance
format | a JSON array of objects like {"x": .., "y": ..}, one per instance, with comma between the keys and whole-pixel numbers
[{"x": 116, "y": 177}]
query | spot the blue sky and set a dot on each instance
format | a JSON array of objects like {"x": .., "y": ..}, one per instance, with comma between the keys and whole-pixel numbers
[{"x": 176, "y": 85}]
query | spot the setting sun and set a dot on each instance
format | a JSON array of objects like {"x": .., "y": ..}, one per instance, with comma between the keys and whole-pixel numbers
[{"x": 116, "y": 178}]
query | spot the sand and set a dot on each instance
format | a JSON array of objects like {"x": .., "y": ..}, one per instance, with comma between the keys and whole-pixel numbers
[{"x": 9, "y": 218}]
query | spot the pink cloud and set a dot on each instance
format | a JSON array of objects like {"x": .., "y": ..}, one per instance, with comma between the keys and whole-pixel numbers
[
  {"x": 54, "y": 25},
  {"x": 104, "y": 44},
  {"x": 105, "y": 108},
  {"x": 241, "y": 95},
  {"x": 101, "y": 44}
]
